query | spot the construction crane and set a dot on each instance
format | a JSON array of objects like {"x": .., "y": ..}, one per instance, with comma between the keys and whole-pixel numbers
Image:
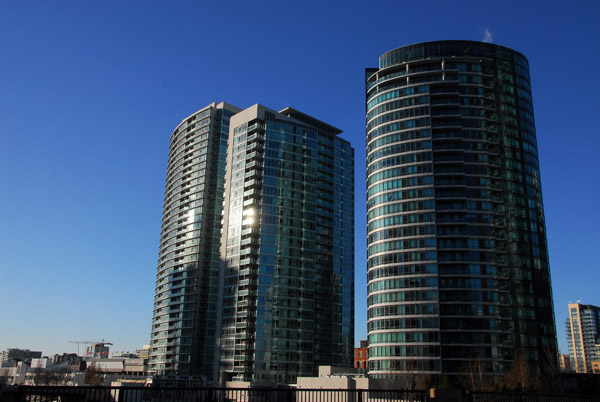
[
  {"x": 78, "y": 342},
  {"x": 99, "y": 343}
]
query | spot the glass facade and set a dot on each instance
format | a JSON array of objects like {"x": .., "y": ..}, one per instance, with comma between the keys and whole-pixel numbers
[
  {"x": 458, "y": 273},
  {"x": 185, "y": 303},
  {"x": 288, "y": 231}
]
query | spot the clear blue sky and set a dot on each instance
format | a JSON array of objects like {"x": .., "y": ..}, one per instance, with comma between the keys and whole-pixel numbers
[{"x": 90, "y": 92}]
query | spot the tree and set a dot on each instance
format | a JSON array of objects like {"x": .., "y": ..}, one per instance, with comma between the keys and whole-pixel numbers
[
  {"x": 58, "y": 377},
  {"x": 519, "y": 378},
  {"x": 51, "y": 377},
  {"x": 408, "y": 380},
  {"x": 38, "y": 376},
  {"x": 93, "y": 375},
  {"x": 475, "y": 378},
  {"x": 551, "y": 378}
]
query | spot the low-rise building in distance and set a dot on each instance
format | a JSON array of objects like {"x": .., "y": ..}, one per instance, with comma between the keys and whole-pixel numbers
[
  {"x": 18, "y": 355},
  {"x": 361, "y": 355},
  {"x": 564, "y": 361}
]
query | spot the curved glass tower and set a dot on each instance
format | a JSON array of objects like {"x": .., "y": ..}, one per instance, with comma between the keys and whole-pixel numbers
[
  {"x": 458, "y": 274},
  {"x": 185, "y": 303}
]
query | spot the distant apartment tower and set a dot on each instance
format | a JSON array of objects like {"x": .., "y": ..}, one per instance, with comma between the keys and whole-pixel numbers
[
  {"x": 458, "y": 273},
  {"x": 583, "y": 335},
  {"x": 185, "y": 304},
  {"x": 97, "y": 350},
  {"x": 287, "y": 248}
]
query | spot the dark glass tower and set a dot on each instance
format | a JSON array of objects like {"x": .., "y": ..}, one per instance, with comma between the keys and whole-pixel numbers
[
  {"x": 185, "y": 303},
  {"x": 458, "y": 274},
  {"x": 288, "y": 248}
]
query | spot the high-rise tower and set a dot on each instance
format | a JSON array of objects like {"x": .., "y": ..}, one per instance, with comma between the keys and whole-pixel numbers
[
  {"x": 583, "y": 335},
  {"x": 458, "y": 274},
  {"x": 287, "y": 248},
  {"x": 185, "y": 305},
  {"x": 255, "y": 276}
]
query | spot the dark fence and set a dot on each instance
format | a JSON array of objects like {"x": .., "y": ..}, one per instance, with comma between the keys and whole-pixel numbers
[
  {"x": 189, "y": 394},
  {"x": 518, "y": 397},
  {"x": 160, "y": 394}
]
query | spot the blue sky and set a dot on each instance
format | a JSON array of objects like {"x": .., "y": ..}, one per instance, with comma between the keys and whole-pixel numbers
[{"x": 90, "y": 92}]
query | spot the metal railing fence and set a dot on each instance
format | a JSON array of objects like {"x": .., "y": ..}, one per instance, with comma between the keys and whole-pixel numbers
[
  {"x": 175, "y": 394},
  {"x": 195, "y": 394},
  {"x": 525, "y": 397}
]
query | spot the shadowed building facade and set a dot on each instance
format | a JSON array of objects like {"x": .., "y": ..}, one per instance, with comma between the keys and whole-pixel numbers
[
  {"x": 185, "y": 304},
  {"x": 458, "y": 273},
  {"x": 288, "y": 248}
]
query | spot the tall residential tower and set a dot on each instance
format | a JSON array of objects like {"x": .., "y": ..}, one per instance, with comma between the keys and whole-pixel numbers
[
  {"x": 287, "y": 247},
  {"x": 255, "y": 276},
  {"x": 583, "y": 336},
  {"x": 458, "y": 273},
  {"x": 185, "y": 304}
]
